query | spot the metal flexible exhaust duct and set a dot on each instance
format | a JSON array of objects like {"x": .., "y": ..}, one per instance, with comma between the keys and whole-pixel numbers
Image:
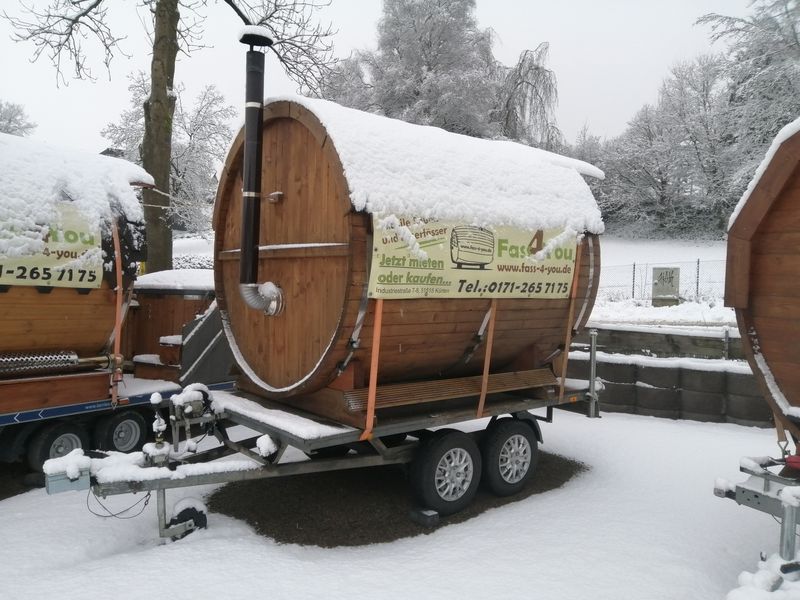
[
  {"x": 251, "y": 175},
  {"x": 22, "y": 363}
]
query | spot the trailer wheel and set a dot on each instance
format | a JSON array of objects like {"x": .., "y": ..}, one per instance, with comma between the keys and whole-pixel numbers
[
  {"x": 510, "y": 453},
  {"x": 185, "y": 510},
  {"x": 54, "y": 440},
  {"x": 446, "y": 472},
  {"x": 120, "y": 431}
]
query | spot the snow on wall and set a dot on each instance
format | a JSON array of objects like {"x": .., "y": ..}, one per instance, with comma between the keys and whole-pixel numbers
[
  {"x": 177, "y": 279},
  {"x": 397, "y": 168},
  {"x": 34, "y": 176},
  {"x": 670, "y": 362},
  {"x": 783, "y": 135}
]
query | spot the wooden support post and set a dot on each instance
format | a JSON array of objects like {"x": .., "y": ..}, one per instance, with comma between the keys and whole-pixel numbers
[
  {"x": 487, "y": 359},
  {"x": 373, "y": 370},
  {"x": 573, "y": 294}
]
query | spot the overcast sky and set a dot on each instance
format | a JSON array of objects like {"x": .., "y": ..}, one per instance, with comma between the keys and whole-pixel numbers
[{"x": 609, "y": 57}]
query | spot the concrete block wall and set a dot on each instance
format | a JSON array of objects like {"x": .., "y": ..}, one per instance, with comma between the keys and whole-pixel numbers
[{"x": 675, "y": 390}]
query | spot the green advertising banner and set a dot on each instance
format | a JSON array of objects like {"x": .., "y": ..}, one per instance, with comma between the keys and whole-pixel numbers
[
  {"x": 465, "y": 261},
  {"x": 71, "y": 257}
]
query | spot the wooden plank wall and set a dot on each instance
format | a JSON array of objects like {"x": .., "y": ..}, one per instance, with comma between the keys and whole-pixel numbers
[
  {"x": 774, "y": 307},
  {"x": 63, "y": 319},
  {"x": 158, "y": 315}
]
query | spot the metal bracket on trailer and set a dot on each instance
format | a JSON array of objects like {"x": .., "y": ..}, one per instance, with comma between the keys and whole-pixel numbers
[{"x": 764, "y": 491}]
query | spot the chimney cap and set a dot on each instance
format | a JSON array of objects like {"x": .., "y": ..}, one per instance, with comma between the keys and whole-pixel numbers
[{"x": 255, "y": 35}]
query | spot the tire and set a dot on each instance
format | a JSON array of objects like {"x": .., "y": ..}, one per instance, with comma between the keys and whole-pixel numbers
[
  {"x": 55, "y": 440},
  {"x": 510, "y": 453},
  {"x": 446, "y": 472},
  {"x": 195, "y": 511},
  {"x": 124, "y": 431}
]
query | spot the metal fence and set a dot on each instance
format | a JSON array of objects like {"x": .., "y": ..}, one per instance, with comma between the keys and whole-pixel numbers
[{"x": 699, "y": 280}]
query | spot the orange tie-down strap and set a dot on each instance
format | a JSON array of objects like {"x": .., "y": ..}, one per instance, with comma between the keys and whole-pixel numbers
[
  {"x": 487, "y": 359},
  {"x": 116, "y": 373},
  {"x": 568, "y": 336},
  {"x": 373, "y": 370}
]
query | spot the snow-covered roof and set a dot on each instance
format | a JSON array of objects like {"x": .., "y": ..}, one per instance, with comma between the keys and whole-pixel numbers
[
  {"x": 397, "y": 168},
  {"x": 783, "y": 135},
  {"x": 34, "y": 176}
]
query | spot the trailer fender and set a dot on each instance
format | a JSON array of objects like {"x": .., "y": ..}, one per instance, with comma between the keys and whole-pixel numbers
[{"x": 529, "y": 419}]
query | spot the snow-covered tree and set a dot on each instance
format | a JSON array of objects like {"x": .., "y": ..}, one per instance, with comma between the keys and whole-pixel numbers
[
  {"x": 200, "y": 135},
  {"x": 65, "y": 29},
  {"x": 434, "y": 66},
  {"x": 527, "y": 100},
  {"x": 13, "y": 119},
  {"x": 763, "y": 68}
]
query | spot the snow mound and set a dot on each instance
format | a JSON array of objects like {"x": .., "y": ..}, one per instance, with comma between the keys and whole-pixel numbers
[
  {"x": 397, "y": 168},
  {"x": 177, "y": 279},
  {"x": 35, "y": 177}
]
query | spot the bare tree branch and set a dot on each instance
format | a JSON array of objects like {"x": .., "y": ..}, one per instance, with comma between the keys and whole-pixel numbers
[
  {"x": 59, "y": 32},
  {"x": 302, "y": 45}
]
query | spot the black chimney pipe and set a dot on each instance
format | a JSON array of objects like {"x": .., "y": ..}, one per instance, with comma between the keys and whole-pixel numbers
[{"x": 251, "y": 175}]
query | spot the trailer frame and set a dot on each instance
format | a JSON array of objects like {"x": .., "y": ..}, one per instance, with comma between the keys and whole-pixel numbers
[{"x": 359, "y": 452}]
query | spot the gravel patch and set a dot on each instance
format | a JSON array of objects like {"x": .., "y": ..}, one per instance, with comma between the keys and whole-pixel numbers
[{"x": 357, "y": 507}]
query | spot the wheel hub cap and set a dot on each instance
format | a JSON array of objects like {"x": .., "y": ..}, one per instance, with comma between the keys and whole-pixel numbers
[
  {"x": 64, "y": 444},
  {"x": 515, "y": 459},
  {"x": 454, "y": 474},
  {"x": 125, "y": 435}
]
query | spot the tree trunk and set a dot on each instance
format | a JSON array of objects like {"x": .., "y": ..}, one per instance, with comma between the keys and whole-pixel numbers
[{"x": 157, "y": 142}]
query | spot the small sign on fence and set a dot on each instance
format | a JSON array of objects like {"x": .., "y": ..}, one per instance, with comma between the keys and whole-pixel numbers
[{"x": 666, "y": 286}]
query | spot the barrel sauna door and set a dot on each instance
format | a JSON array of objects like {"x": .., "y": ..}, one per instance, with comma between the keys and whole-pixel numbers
[{"x": 304, "y": 248}]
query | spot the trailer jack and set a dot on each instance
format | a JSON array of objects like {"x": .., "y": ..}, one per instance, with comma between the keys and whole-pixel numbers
[{"x": 777, "y": 495}]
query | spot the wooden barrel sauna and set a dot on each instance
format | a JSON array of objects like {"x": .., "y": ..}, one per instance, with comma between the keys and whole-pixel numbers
[
  {"x": 49, "y": 309},
  {"x": 763, "y": 275},
  {"x": 315, "y": 241}
]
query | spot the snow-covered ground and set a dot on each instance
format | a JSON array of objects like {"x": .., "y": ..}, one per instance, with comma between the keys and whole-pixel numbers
[
  {"x": 618, "y": 251},
  {"x": 640, "y": 523}
]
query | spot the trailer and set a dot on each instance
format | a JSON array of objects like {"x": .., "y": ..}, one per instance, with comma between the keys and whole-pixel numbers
[
  {"x": 171, "y": 336},
  {"x": 446, "y": 465}
]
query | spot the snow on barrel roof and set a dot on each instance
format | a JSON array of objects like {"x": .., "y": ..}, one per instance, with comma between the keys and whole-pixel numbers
[
  {"x": 35, "y": 176},
  {"x": 397, "y": 168},
  {"x": 784, "y": 134}
]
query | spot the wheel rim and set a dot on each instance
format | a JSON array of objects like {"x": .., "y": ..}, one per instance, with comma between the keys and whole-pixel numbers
[
  {"x": 454, "y": 474},
  {"x": 126, "y": 435},
  {"x": 515, "y": 459},
  {"x": 64, "y": 444}
]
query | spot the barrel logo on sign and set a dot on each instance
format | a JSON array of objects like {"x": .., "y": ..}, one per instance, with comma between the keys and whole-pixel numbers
[{"x": 471, "y": 246}]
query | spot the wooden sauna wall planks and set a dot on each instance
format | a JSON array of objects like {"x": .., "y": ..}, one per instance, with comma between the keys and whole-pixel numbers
[
  {"x": 62, "y": 319},
  {"x": 774, "y": 305},
  {"x": 283, "y": 351},
  {"x": 160, "y": 315}
]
